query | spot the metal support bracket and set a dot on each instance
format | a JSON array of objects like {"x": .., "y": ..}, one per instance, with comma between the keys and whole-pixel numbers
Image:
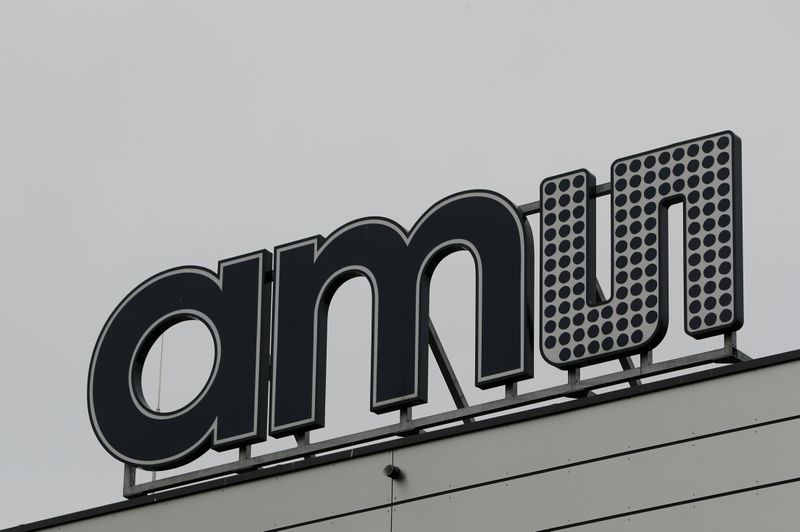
[
  {"x": 627, "y": 364},
  {"x": 511, "y": 390},
  {"x": 535, "y": 207},
  {"x": 574, "y": 384},
  {"x": 446, "y": 368},
  {"x": 303, "y": 440},
  {"x": 407, "y": 427},
  {"x": 730, "y": 346},
  {"x": 245, "y": 453},
  {"x": 128, "y": 478}
]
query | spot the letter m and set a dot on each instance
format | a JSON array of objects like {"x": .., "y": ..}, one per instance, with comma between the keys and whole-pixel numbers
[{"x": 399, "y": 266}]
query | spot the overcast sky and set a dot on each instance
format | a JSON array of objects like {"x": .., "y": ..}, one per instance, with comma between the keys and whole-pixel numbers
[{"x": 140, "y": 135}]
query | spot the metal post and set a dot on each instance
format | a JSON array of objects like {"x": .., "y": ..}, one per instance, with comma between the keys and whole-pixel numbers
[
  {"x": 128, "y": 479},
  {"x": 576, "y": 388},
  {"x": 244, "y": 453},
  {"x": 302, "y": 439},
  {"x": 406, "y": 427},
  {"x": 730, "y": 341},
  {"x": 511, "y": 390}
]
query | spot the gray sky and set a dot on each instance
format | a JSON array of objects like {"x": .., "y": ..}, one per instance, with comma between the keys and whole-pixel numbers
[{"x": 138, "y": 135}]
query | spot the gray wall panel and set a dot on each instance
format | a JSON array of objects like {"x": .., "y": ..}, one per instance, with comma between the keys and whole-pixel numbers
[
  {"x": 615, "y": 485},
  {"x": 374, "y": 521},
  {"x": 674, "y": 414},
  {"x": 773, "y": 509},
  {"x": 289, "y": 499},
  {"x": 591, "y": 463}
]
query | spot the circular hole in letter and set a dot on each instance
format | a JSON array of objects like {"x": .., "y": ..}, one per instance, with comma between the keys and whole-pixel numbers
[{"x": 185, "y": 365}]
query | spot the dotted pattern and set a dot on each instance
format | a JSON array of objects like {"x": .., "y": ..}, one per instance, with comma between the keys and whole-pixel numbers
[{"x": 576, "y": 329}]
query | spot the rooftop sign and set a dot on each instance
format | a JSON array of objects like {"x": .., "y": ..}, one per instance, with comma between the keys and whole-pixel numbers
[{"x": 285, "y": 297}]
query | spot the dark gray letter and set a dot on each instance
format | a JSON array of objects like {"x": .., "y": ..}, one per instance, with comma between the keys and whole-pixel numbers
[
  {"x": 704, "y": 174},
  {"x": 398, "y": 266}
]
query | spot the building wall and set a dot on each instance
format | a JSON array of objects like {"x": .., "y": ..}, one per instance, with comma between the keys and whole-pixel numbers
[{"x": 711, "y": 455}]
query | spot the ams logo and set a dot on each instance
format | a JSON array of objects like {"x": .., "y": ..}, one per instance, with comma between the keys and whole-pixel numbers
[{"x": 268, "y": 311}]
